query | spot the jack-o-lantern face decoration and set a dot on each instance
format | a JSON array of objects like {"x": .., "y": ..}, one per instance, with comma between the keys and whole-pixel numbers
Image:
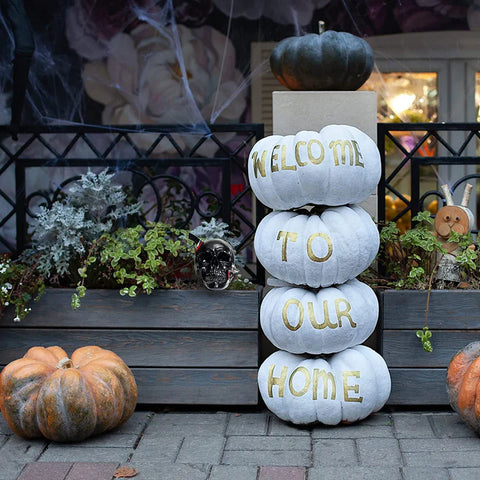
[{"x": 215, "y": 263}]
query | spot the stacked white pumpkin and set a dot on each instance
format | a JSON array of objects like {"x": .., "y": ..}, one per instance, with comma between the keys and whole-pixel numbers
[{"x": 320, "y": 318}]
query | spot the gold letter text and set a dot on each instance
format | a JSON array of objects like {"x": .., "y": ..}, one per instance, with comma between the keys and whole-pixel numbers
[
  {"x": 306, "y": 385},
  {"x": 280, "y": 381},
  {"x": 292, "y": 301},
  {"x": 310, "y": 253},
  {"x": 315, "y": 160},
  {"x": 292, "y": 236},
  {"x": 297, "y": 153},
  {"x": 326, "y": 378},
  {"x": 259, "y": 165},
  {"x": 344, "y": 312},
  {"x": 354, "y": 388}
]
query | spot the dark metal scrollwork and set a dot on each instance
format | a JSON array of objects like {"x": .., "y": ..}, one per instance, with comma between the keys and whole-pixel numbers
[
  {"x": 413, "y": 158},
  {"x": 168, "y": 195}
]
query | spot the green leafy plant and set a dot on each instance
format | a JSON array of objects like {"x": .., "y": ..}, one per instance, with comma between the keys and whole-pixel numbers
[
  {"x": 19, "y": 284},
  {"x": 424, "y": 335},
  {"x": 216, "y": 229},
  {"x": 139, "y": 259},
  {"x": 410, "y": 261},
  {"x": 409, "y": 258},
  {"x": 63, "y": 233},
  {"x": 84, "y": 240}
]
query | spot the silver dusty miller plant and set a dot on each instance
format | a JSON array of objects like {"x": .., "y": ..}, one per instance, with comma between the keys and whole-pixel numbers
[
  {"x": 216, "y": 229},
  {"x": 66, "y": 231}
]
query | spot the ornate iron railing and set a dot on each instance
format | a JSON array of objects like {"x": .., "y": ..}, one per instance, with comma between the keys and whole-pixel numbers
[
  {"x": 429, "y": 144},
  {"x": 181, "y": 173}
]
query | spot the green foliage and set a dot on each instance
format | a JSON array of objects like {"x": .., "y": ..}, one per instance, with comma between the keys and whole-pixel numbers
[
  {"x": 63, "y": 233},
  {"x": 138, "y": 259},
  {"x": 19, "y": 284},
  {"x": 424, "y": 335},
  {"x": 84, "y": 239},
  {"x": 409, "y": 258},
  {"x": 241, "y": 283},
  {"x": 410, "y": 261},
  {"x": 218, "y": 229}
]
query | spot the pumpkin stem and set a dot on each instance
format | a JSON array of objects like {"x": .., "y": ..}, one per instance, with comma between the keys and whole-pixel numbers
[
  {"x": 65, "y": 363},
  {"x": 321, "y": 27}
]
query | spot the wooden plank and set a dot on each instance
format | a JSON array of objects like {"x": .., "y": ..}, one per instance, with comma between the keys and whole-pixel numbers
[
  {"x": 418, "y": 386},
  {"x": 196, "y": 386},
  {"x": 448, "y": 309},
  {"x": 183, "y": 309},
  {"x": 402, "y": 348},
  {"x": 143, "y": 348}
]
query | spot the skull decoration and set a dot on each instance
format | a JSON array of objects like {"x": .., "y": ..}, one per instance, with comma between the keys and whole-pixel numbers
[{"x": 215, "y": 263}]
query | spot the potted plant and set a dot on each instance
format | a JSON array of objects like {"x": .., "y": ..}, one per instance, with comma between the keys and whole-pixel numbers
[
  {"x": 184, "y": 343},
  {"x": 425, "y": 318}
]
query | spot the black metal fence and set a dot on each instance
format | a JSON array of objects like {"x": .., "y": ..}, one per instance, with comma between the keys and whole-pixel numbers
[
  {"x": 183, "y": 174},
  {"x": 421, "y": 145},
  {"x": 192, "y": 173}
]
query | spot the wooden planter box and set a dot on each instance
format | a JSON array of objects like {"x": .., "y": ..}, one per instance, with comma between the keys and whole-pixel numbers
[
  {"x": 418, "y": 377},
  {"x": 183, "y": 346}
]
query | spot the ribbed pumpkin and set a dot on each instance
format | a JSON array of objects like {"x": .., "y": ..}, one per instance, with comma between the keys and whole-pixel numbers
[
  {"x": 317, "y": 250},
  {"x": 344, "y": 387},
  {"x": 66, "y": 400},
  {"x": 336, "y": 166},
  {"x": 463, "y": 384},
  {"x": 326, "y": 61},
  {"x": 325, "y": 321}
]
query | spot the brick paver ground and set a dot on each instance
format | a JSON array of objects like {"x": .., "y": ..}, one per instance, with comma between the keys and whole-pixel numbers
[{"x": 255, "y": 446}]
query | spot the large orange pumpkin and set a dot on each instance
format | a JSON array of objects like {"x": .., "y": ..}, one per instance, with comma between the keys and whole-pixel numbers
[
  {"x": 463, "y": 384},
  {"x": 66, "y": 400}
]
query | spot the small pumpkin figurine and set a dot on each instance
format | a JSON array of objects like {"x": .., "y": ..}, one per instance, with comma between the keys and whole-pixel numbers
[
  {"x": 463, "y": 384},
  {"x": 326, "y": 61},
  {"x": 45, "y": 393}
]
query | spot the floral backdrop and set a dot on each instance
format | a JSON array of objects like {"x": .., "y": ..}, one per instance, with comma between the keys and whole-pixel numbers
[{"x": 182, "y": 62}]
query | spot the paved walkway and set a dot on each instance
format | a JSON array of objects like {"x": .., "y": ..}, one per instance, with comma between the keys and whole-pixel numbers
[{"x": 255, "y": 446}]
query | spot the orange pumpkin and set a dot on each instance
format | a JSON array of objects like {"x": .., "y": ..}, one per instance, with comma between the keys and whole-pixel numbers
[
  {"x": 66, "y": 400},
  {"x": 404, "y": 222},
  {"x": 433, "y": 207},
  {"x": 463, "y": 384},
  {"x": 390, "y": 208}
]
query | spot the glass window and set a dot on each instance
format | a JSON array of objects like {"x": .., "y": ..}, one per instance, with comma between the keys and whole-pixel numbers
[
  {"x": 410, "y": 97},
  {"x": 406, "y": 97}
]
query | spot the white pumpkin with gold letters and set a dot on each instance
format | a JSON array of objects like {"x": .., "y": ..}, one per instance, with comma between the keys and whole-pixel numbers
[
  {"x": 327, "y": 320},
  {"x": 336, "y": 166},
  {"x": 317, "y": 250},
  {"x": 345, "y": 387}
]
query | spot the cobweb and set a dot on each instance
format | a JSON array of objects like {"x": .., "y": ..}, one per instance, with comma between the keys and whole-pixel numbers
[{"x": 174, "y": 62}]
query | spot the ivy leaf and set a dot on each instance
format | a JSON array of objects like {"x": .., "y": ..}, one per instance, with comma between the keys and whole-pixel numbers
[{"x": 425, "y": 334}]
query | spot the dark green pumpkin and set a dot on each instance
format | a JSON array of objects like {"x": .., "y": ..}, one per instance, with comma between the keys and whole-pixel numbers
[{"x": 326, "y": 61}]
